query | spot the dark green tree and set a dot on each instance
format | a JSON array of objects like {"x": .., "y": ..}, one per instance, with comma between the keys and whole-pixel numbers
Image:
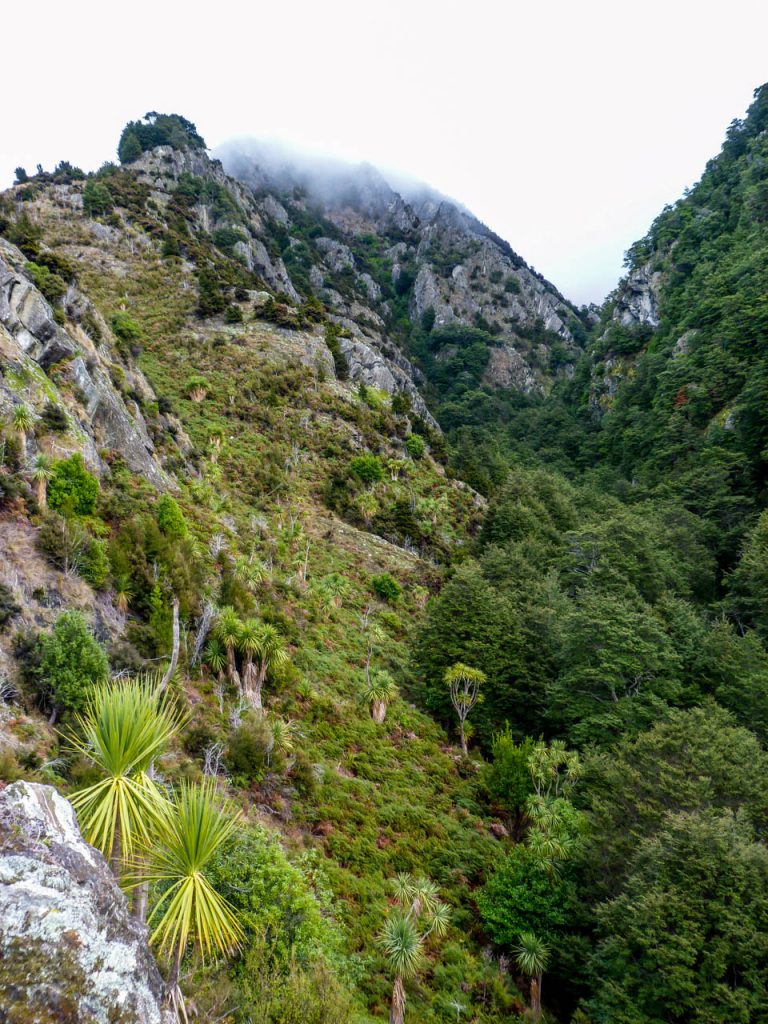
[
  {"x": 687, "y": 938},
  {"x": 71, "y": 663}
]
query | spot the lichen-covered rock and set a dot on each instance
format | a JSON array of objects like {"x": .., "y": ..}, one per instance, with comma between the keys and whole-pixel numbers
[{"x": 70, "y": 952}]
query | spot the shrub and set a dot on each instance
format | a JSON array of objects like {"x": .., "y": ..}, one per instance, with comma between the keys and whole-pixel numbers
[
  {"x": 71, "y": 664},
  {"x": 52, "y": 286},
  {"x": 63, "y": 542},
  {"x": 273, "y": 900},
  {"x": 248, "y": 753},
  {"x": 401, "y": 404},
  {"x": 367, "y": 468},
  {"x": 96, "y": 198},
  {"x": 233, "y": 315},
  {"x": 196, "y": 387},
  {"x": 157, "y": 130},
  {"x": 55, "y": 418},
  {"x": 332, "y": 335},
  {"x": 227, "y": 238},
  {"x": 95, "y": 567},
  {"x": 210, "y": 296},
  {"x": 415, "y": 446},
  {"x": 170, "y": 518},
  {"x": 387, "y": 587},
  {"x": 8, "y": 605},
  {"x": 72, "y": 489},
  {"x": 125, "y": 327}
]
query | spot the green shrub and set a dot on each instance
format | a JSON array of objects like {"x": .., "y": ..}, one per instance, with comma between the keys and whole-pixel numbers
[
  {"x": 95, "y": 567},
  {"x": 299, "y": 995},
  {"x": 233, "y": 315},
  {"x": 125, "y": 327},
  {"x": 97, "y": 198},
  {"x": 170, "y": 518},
  {"x": 332, "y": 335},
  {"x": 54, "y": 418},
  {"x": 401, "y": 404},
  {"x": 71, "y": 663},
  {"x": 72, "y": 489},
  {"x": 157, "y": 130},
  {"x": 248, "y": 753},
  {"x": 211, "y": 298},
  {"x": 387, "y": 587},
  {"x": 52, "y": 286},
  {"x": 367, "y": 468},
  {"x": 272, "y": 898},
  {"x": 415, "y": 446},
  {"x": 522, "y": 896},
  {"x": 227, "y": 238},
  {"x": 8, "y": 605}
]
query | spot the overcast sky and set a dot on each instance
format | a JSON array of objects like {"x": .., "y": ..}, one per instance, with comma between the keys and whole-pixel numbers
[{"x": 564, "y": 125}]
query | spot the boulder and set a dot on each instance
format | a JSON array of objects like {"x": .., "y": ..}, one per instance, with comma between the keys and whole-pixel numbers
[{"x": 69, "y": 949}]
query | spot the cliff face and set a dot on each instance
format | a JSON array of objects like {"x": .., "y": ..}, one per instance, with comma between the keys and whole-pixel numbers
[
  {"x": 410, "y": 253},
  {"x": 44, "y": 363},
  {"x": 69, "y": 949}
]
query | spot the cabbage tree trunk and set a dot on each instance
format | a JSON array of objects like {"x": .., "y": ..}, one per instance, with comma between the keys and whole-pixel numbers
[
  {"x": 378, "y": 710},
  {"x": 397, "y": 1009}
]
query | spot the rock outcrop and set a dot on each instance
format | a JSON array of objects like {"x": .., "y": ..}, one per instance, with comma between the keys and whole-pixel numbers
[
  {"x": 70, "y": 951},
  {"x": 32, "y": 342},
  {"x": 362, "y": 245},
  {"x": 637, "y": 299}
]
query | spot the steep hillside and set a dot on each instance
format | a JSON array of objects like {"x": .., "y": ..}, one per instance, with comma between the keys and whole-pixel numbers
[
  {"x": 678, "y": 364},
  {"x": 140, "y": 337}
]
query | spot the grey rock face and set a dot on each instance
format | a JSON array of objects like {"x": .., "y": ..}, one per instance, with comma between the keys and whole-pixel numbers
[
  {"x": 69, "y": 949},
  {"x": 31, "y": 333},
  {"x": 337, "y": 256},
  {"x": 638, "y": 299},
  {"x": 508, "y": 369},
  {"x": 459, "y": 268},
  {"x": 26, "y": 315},
  {"x": 368, "y": 366}
]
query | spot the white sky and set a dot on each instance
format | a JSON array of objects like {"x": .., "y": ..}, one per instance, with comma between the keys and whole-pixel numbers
[{"x": 564, "y": 125}]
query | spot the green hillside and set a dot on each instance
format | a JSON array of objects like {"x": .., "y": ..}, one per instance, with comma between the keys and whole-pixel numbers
[{"x": 270, "y": 441}]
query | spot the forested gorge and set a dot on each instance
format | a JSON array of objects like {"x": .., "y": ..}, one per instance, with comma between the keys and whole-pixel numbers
[{"x": 370, "y": 717}]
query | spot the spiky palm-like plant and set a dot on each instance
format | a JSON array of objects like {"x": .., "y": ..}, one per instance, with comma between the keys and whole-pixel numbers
[
  {"x": 227, "y": 629},
  {"x": 123, "y": 592},
  {"x": 249, "y": 571},
  {"x": 123, "y": 730},
  {"x": 464, "y": 685},
  {"x": 249, "y": 645},
  {"x": 190, "y": 909},
  {"x": 379, "y": 691},
  {"x": 532, "y": 955},
  {"x": 23, "y": 418},
  {"x": 42, "y": 471},
  {"x": 331, "y": 591},
  {"x": 403, "y": 946},
  {"x": 420, "y": 914},
  {"x": 283, "y": 735},
  {"x": 215, "y": 656},
  {"x": 269, "y": 652}
]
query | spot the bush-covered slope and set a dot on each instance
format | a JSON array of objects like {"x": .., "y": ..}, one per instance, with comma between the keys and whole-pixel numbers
[
  {"x": 300, "y": 501},
  {"x": 306, "y": 547}
]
